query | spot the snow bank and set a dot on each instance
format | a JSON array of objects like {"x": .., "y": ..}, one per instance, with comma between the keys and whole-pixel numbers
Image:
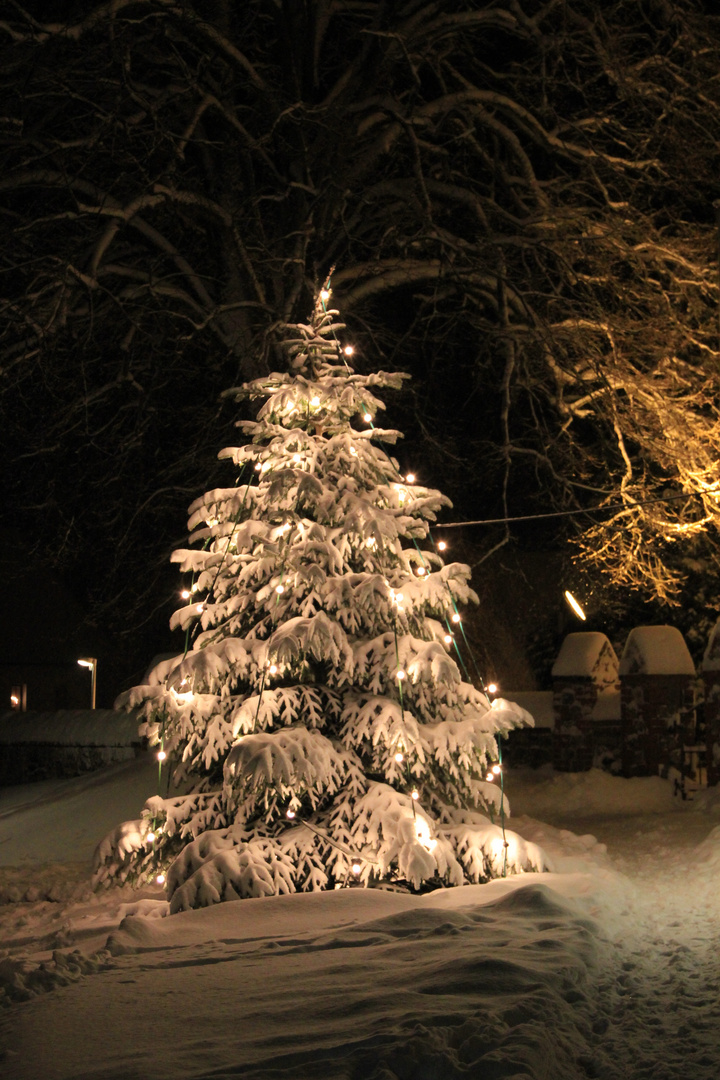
[
  {"x": 70, "y": 727},
  {"x": 547, "y": 795}
]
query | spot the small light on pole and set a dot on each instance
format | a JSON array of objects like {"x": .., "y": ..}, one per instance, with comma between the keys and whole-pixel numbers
[
  {"x": 90, "y": 662},
  {"x": 575, "y": 605}
]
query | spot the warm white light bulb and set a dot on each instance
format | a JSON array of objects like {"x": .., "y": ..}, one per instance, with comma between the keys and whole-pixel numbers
[
  {"x": 185, "y": 594},
  {"x": 200, "y": 608},
  {"x": 421, "y": 571},
  {"x": 490, "y": 777},
  {"x": 315, "y": 401},
  {"x": 448, "y": 639},
  {"x": 273, "y": 669},
  {"x": 324, "y": 294},
  {"x": 399, "y": 757},
  {"x": 160, "y": 879},
  {"x": 415, "y": 794},
  {"x": 401, "y": 674},
  {"x": 492, "y": 688},
  {"x": 496, "y": 769},
  {"x": 297, "y": 459},
  {"x": 258, "y": 467},
  {"x": 410, "y": 478},
  {"x": 349, "y": 350},
  {"x": 575, "y": 605},
  {"x": 150, "y": 837},
  {"x": 442, "y": 545},
  {"x": 279, "y": 588},
  {"x": 356, "y": 868},
  {"x": 370, "y": 542},
  {"x": 290, "y": 813},
  {"x": 456, "y": 618},
  {"x": 353, "y": 451},
  {"x": 161, "y": 755},
  {"x": 367, "y": 418}
]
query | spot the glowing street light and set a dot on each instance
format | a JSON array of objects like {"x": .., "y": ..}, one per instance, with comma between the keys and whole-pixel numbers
[
  {"x": 90, "y": 662},
  {"x": 575, "y": 605}
]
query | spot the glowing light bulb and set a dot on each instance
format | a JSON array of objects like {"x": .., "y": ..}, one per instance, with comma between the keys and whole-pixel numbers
[
  {"x": 349, "y": 350},
  {"x": 185, "y": 594},
  {"x": 324, "y": 294},
  {"x": 353, "y": 451},
  {"x": 399, "y": 597},
  {"x": 258, "y": 467},
  {"x": 273, "y": 669},
  {"x": 490, "y": 777},
  {"x": 315, "y": 401},
  {"x": 410, "y": 478},
  {"x": 161, "y": 755},
  {"x": 356, "y": 868},
  {"x": 297, "y": 459},
  {"x": 456, "y": 618},
  {"x": 492, "y": 688},
  {"x": 496, "y": 769},
  {"x": 442, "y": 545},
  {"x": 279, "y": 588},
  {"x": 575, "y": 605},
  {"x": 421, "y": 571},
  {"x": 400, "y": 674},
  {"x": 290, "y": 814},
  {"x": 367, "y": 418},
  {"x": 415, "y": 794},
  {"x": 370, "y": 542},
  {"x": 150, "y": 837},
  {"x": 200, "y": 608},
  {"x": 399, "y": 757},
  {"x": 160, "y": 879}
]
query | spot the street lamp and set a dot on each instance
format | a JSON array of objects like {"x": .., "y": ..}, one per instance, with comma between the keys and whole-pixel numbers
[
  {"x": 575, "y": 605},
  {"x": 90, "y": 662}
]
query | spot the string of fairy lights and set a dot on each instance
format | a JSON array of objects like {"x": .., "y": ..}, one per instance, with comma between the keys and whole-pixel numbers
[{"x": 453, "y": 624}]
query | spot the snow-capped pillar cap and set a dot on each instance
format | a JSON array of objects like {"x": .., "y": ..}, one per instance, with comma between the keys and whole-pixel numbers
[
  {"x": 656, "y": 650},
  {"x": 711, "y": 659},
  {"x": 585, "y": 654}
]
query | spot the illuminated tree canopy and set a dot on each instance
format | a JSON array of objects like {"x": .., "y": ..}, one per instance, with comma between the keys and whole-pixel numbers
[{"x": 517, "y": 199}]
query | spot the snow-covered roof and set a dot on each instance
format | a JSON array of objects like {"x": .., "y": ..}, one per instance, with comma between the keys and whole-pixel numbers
[
  {"x": 585, "y": 653},
  {"x": 711, "y": 659},
  {"x": 70, "y": 727},
  {"x": 656, "y": 650}
]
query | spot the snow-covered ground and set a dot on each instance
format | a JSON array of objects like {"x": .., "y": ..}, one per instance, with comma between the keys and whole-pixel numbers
[{"x": 608, "y": 967}]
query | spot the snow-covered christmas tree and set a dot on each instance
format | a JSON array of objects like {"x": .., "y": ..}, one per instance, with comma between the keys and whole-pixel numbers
[{"x": 317, "y": 717}]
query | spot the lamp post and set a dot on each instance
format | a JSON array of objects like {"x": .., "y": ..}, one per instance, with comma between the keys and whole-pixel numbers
[{"x": 90, "y": 662}]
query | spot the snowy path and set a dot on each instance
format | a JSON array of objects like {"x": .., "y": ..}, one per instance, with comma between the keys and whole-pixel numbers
[
  {"x": 608, "y": 969},
  {"x": 658, "y": 999},
  {"x": 663, "y": 1008}
]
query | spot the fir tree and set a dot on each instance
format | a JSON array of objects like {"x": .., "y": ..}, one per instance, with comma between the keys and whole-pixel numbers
[{"x": 317, "y": 717}]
